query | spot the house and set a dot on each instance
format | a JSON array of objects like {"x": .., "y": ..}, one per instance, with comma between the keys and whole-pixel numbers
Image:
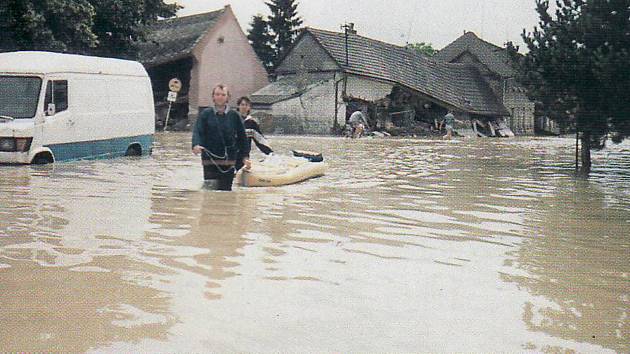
[
  {"x": 327, "y": 75},
  {"x": 200, "y": 50},
  {"x": 493, "y": 63}
]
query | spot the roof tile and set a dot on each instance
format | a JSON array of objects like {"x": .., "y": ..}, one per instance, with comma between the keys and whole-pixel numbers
[{"x": 495, "y": 58}]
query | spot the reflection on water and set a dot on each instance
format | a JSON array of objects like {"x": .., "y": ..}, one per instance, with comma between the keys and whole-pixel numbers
[{"x": 405, "y": 246}]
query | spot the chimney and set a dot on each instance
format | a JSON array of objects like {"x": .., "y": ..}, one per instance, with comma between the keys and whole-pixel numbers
[{"x": 351, "y": 29}]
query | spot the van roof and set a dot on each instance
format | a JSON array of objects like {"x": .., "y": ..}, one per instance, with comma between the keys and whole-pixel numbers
[{"x": 49, "y": 62}]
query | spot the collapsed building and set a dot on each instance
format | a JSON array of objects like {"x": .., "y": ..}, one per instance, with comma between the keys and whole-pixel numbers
[
  {"x": 494, "y": 65},
  {"x": 328, "y": 75}
]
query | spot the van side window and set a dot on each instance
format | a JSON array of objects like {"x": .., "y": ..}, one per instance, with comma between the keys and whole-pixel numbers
[{"x": 57, "y": 93}]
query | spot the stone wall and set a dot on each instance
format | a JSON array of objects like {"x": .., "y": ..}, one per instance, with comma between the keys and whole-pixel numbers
[{"x": 313, "y": 112}]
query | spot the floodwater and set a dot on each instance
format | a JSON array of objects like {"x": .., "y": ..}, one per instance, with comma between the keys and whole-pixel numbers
[{"x": 404, "y": 246}]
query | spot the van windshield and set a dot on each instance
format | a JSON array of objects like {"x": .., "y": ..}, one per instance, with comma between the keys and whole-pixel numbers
[{"x": 19, "y": 96}]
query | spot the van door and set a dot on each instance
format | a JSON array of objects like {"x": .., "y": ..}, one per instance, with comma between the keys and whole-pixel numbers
[
  {"x": 58, "y": 128},
  {"x": 90, "y": 105}
]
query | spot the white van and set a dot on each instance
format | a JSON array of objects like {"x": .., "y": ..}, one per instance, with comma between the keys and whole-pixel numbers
[{"x": 56, "y": 107}]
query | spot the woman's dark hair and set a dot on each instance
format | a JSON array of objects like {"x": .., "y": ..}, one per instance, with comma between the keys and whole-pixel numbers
[{"x": 244, "y": 98}]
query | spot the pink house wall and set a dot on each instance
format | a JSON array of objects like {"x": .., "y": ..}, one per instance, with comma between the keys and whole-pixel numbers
[{"x": 224, "y": 55}]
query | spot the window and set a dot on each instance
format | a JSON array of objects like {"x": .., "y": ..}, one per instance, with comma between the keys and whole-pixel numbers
[
  {"x": 19, "y": 96},
  {"x": 57, "y": 93}
]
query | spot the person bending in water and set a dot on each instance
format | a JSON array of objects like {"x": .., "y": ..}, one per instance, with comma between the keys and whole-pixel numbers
[
  {"x": 252, "y": 129},
  {"x": 219, "y": 136},
  {"x": 358, "y": 123},
  {"x": 448, "y": 121}
]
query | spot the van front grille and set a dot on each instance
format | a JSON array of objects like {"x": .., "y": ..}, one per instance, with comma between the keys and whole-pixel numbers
[
  {"x": 15, "y": 144},
  {"x": 7, "y": 144}
]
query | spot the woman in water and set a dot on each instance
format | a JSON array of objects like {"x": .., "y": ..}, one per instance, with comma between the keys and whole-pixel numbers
[{"x": 252, "y": 129}]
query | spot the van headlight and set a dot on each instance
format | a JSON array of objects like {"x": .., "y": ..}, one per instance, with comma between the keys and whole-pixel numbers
[{"x": 15, "y": 144}]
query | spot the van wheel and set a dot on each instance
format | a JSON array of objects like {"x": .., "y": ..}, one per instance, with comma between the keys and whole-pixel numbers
[
  {"x": 134, "y": 150},
  {"x": 42, "y": 159}
]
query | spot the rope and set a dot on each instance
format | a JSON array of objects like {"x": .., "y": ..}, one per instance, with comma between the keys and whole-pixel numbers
[{"x": 213, "y": 157}]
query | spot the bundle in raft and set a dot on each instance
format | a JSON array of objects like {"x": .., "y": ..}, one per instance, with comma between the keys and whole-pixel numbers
[{"x": 309, "y": 155}]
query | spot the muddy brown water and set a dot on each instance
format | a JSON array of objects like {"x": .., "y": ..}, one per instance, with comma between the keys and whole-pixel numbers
[{"x": 404, "y": 246}]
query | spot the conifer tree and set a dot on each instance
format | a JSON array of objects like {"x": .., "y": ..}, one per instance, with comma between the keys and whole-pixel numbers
[
  {"x": 578, "y": 68},
  {"x": 261, "y": 40},
  {"x": 285, "y": 23}
]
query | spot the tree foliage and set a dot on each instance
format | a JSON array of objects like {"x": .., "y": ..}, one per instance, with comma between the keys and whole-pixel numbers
[
  {"x": 102, "y": 27},
  {"x": 271, "y": 38},
  {"x": 578, "y": 67},
  {"x": 55, "y": 25},
  {"x": 423, "y": 48},
  {"x": 261, "y": 40},
  {"x": 120, "y": 23}
]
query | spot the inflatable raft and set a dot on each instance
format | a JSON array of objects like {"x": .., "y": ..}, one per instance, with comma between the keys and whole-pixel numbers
[{"x": 279, "y": 171}]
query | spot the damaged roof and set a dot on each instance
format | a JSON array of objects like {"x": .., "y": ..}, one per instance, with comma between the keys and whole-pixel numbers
[
  {"x": 458, "y": 85},
  {"x": 284, "y": 88},
  {"x": 175, "y": 38},
  {"x": 495, "y": 58}
]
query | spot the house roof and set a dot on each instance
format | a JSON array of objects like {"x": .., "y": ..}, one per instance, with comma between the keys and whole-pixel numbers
[
  {"x": 495, "y": 58},
  {"x": 175, "y": 38},
  {"x": 284, "y": 88},
  {"x": 459, "y": 85}
]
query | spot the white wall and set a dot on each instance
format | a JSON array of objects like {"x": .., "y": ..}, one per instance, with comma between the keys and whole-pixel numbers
[
  {"x": 314, "y": 110},
  {"x": 366, "y": 89}
]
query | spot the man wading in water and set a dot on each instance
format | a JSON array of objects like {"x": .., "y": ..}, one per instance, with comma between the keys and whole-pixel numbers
[{"x": 219, "y": 136}]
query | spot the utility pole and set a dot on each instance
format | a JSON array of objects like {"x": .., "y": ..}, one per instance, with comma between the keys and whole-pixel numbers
[
  {"x": 577, "y": 150},
  {"x": 348, "y": 29}
]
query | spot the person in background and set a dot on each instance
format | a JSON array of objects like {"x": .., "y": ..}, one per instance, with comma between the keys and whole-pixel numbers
[
  {"x": 447, "y": 122},
  {"x": 358, "y": 123},
  {"x": 219, "y": 136}
]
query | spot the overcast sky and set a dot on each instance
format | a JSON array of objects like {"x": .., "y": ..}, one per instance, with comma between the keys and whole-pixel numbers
[{"x": 399, "y": 21}]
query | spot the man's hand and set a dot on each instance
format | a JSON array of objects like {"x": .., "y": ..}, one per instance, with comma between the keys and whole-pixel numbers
[
  {"x": 197, "y": 149},
  {"x": 247, "y": 164}
]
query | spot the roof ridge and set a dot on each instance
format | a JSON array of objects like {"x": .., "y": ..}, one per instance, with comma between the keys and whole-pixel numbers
[
  {"x": 387, "y": 44},
  {"x": 490, "y": 43},
  {"x": 480, "y": 39},
  {"x": 358, "y": 35}
]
